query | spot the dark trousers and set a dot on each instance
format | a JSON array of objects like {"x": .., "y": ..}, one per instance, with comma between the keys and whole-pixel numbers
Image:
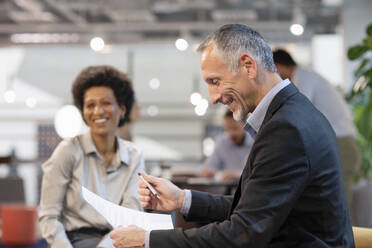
[{"x": 86, "y": 237}]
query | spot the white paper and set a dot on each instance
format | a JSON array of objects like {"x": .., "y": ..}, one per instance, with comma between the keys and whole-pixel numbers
[{"x": 120, "y": 216}]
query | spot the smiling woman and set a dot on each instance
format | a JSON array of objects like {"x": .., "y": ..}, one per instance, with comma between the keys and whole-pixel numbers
[
  {"x": 102, "y": 114},
  {"x": 98, "y": 160}
]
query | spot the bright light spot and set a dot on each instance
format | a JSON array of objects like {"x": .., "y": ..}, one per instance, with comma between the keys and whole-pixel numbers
[
  {"x": 152, "y": 110},
  {"x": 195, "y": 98},
  {"x": 208, "y": 146},
  {"x": 201, "y": 107},
  {"x": 97, "y": 44},
  {"x": 297, "y": 29},
  {"x": 10, "y": 96},
  {"x": 44, "y": 38},
  {"x": 181, "y": 44},
  {"x": 200, "y": 110},
  {"x": 31, "y": 102},
  {"x": 203, "y": 103},
  {"x": 154, "y": 83},
  {"x": 68, "y": 121}
]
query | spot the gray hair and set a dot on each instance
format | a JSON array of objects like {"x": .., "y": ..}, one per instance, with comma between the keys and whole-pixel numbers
[{"x": 234, "y": 39}]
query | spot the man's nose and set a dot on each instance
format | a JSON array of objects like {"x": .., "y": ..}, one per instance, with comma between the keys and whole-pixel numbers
[{"x": 214, "y": 96}]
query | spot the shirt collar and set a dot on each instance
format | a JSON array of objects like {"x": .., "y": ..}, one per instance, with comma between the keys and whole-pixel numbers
[
  {"x": 89, "y": 148},
  {"x": 124, "y": 153},
  {"x": 247, "y": 140},
  {"x": 88, "y": 144},
  {"x": 255, "y": 119}
]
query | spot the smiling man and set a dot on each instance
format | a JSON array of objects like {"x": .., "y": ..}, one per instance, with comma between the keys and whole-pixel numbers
[{"x": 290, "y": 192}]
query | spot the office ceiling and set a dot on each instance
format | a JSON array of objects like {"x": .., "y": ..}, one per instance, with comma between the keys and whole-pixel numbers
[{"x": 134, "y": 21}]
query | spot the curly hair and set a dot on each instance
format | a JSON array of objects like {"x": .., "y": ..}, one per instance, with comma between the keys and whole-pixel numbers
[{"x": 107, "y": 76}]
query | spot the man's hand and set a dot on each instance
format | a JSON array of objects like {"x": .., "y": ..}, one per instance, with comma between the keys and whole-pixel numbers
[
  {"x": 171, "y": 197},
  {"x": 206, "y": 172},
  {"x": 128, "y": 237},
  {"x": 229, "y": 175}
]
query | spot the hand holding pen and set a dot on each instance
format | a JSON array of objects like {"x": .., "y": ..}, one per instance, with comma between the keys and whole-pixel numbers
[
  {"x": 153, "y": 191},
  {"x": 164, "y": 195}
]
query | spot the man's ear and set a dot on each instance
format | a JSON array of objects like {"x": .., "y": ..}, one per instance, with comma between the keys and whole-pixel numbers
[{"x": 248, "y": 64}]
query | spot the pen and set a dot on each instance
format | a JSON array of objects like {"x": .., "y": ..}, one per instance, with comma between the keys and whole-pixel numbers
[{"x": 153, "y": 191}]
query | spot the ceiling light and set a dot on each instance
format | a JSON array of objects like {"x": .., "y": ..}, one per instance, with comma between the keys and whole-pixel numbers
[
  {"x": 10, "y": 96},
  {"x": 181, "y": 44},
  {"x": 200, "y": 110},
  {"x": 154, "y": 83},
  {"x": 97, "y": 44},
  {"x": 195, "y": 98},
  {"x": 298, "y": 21},
  {"x": 44, "y": 38},
  {"x": 203, "y": 103},
  {"x": 297, "y": 29},
  {"x": 152, "y": 110}
]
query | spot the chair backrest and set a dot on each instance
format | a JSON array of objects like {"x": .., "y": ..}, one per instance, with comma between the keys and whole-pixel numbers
[
  {"x": 362, "y": 237},
  {"x": 11, "y": 190}
]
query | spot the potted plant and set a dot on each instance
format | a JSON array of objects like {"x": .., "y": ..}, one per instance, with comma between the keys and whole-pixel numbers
[{"x": 361, "y": 100}]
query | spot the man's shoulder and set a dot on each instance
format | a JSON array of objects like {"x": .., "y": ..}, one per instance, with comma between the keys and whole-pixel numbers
[
  {"x": 302, "y": 120},
  {"x": 309, "y": 78},
  {"x": 300, "y": 114}
]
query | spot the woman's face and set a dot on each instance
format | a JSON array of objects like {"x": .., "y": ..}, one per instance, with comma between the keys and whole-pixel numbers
[{"x": 101, "y": 111}]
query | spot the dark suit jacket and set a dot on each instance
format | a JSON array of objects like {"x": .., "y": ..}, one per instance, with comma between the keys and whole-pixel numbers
[{"x": 290, "y": 193}]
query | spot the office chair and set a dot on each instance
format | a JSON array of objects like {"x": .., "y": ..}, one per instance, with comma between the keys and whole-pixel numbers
[
  {"x": 362, "y": 237},
  {"x": 12, "y": 190}
]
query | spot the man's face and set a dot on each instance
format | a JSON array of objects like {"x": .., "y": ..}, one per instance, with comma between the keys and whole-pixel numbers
[
  {"x": 234, "y": 130},
  {"x": 236, "y": 90}
]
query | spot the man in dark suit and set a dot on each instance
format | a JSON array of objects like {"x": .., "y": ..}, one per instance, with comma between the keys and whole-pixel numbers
[{"x": 290, "y": 193}]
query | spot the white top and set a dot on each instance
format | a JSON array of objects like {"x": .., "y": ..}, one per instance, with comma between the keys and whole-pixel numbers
[
  {"x": 75, "y": 163},
  {"x": 327, "y": 100}
]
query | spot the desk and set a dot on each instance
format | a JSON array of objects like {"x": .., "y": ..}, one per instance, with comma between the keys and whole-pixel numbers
[{"x": 206, "y": 184}]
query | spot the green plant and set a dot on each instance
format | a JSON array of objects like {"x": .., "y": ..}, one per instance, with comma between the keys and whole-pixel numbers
[{"x": 361, "y": 98}]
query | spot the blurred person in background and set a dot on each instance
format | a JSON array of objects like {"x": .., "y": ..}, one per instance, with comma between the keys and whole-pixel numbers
[
  {"x": 231, "y": 151},
  {"x": 330, "y": 102},
  {"x": 98, "y": 160}
]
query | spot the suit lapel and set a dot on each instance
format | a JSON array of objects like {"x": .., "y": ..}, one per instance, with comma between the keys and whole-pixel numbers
[{"x": 275, "y": 104}]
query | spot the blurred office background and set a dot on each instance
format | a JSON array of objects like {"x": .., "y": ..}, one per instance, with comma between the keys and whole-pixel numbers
[{"x": 45, "y": 43}]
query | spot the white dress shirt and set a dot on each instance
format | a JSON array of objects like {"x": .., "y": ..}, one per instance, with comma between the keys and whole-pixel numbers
[{"x": 327, "y": 100}]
